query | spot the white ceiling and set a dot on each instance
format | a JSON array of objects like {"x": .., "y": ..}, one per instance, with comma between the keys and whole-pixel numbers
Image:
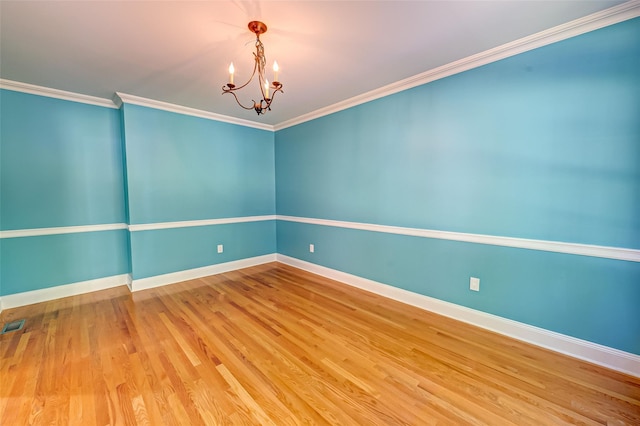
[{"x": 328, "y": 51}]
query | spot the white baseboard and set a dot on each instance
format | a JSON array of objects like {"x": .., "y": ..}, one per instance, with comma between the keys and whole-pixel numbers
[
  {"x": 190, "y": 274},
  {"x": 598, "y": 354},
  {"x": 57, "y": 292},
  {"x": 74, "y": 289}
]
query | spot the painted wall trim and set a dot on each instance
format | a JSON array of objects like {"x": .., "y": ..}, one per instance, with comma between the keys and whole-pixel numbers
[
  {"x": 17, "y": 86},
  {"x": 191, "y": 274},
  {"x": 66, "y": 290},
  {"x": 120, "y": 98},
  {"x": 205, "y": 222},
  {"x": 37, "y": 232},
  {"x": 598, "y": 354},
  {"x": 617, "y": 253},
  {"x": 613, "y": 15}
]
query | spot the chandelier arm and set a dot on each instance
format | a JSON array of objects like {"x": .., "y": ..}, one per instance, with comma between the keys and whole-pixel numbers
[
  {"x": 270, "y": 100},
  {"x": 238, "y": 100},
  {"x": 234, "y": 88}
]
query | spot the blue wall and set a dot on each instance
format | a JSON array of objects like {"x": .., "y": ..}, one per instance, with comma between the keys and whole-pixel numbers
[
  {"x": 182, "y": 168},
  {"x": 71, "y": 164},
  {"x": 60, "y": 165},
  {"x": 544, "y": 145},
  {"x": 162, "y": 251},
  {"x": 188, "y": 168},
  {"x": 34, "y": 263}
]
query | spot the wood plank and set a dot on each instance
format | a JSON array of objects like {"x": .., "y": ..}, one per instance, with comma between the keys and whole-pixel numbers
[{"x": 273, "y": 344}]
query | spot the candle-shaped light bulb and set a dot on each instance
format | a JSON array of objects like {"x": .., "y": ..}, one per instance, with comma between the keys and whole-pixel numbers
[
  {"x": 266, "y": 88},
  {"x": 231, "y": 71},
  {"x": 275, "y": 71}
]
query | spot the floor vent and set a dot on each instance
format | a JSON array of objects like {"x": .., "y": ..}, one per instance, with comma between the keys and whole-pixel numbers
[{"x": 12, "y": 326}]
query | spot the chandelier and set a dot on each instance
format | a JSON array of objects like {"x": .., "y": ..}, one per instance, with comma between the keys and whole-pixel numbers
[{"x": 267, "y": 90}]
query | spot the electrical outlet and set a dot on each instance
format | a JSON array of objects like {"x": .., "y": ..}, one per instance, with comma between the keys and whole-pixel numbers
[
  {"x": 312, "y": 248},
  {"x": 220, "y": 248},
  {"x": 474, "y": 284}
]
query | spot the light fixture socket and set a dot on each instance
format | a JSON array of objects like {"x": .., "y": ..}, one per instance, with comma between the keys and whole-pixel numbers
[{"x": 257, "y": 27}]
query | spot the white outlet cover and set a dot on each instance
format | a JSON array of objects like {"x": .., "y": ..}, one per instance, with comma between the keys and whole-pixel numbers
[
  {"x": 474, "y": 284},
  {"x": 220, "y": 248},
  {"x": 312, "y": 248}
]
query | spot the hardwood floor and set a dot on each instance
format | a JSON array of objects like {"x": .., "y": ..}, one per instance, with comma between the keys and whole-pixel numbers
[{"x": 273, "y": 345}]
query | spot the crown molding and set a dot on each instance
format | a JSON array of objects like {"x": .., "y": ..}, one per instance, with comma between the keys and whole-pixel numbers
[
  {"x": 595, "y": 21},
  {"x": 123, "y": 98},
  {"x": 32, "y": 89}
]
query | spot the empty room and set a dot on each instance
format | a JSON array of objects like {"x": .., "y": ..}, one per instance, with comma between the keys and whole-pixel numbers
[{"x": 320, "y": 212}]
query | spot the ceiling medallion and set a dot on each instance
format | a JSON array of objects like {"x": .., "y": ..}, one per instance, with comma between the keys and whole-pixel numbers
[{"x": 267, "y": 90}]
